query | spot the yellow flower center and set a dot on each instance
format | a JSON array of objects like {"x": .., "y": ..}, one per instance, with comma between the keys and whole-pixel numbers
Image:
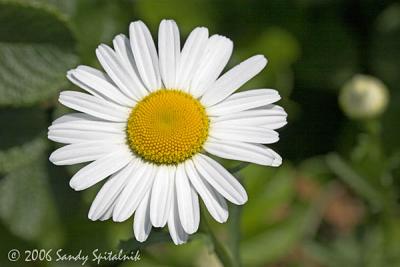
[{"x": 167, "y": 127}]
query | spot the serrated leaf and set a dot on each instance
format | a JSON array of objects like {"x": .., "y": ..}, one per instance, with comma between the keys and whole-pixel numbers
[{"x": 36, "y": 50}]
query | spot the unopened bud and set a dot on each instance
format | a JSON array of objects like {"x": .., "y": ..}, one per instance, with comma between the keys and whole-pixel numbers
[{"x": 363, "y": 97}]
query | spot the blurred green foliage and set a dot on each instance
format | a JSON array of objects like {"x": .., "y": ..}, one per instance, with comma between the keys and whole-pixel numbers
[{"x": 334, "y": 201}]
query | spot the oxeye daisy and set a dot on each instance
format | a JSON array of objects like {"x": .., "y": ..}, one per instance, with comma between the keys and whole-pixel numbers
[{"x": 148, "y": 123}]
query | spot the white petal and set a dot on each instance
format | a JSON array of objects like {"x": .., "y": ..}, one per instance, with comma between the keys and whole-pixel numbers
[
  {"x": 272, "y": 117},
  {"x": 86, "y": 130},
  {"x": 100, "y": 169},
  {"x": 77, "y": 136},
  {"x": 83, "y": 152},
  {"x": 139, "y": 184},
  {"x": 97, "y": 84},
  {"x": 77, "y": 116},
  {"x": 215, "y": 203},
  {"x": 145, "y": 54},
  {"x": 178, "y": 234},
  {"x": 192, "y": 52},
  {"x": 218, "y": 52},
  {"x": 142, "y": 223},
  {"x": 169, "y": 51},
  {"x": 233, "y": 80},
  {"x": 188, "y": 201},
  {"x": 243, "y": 151},
  {"x": 88, "y": 124},
  {"x": 124, "y": 53},
  {"x": 110, "y": 191},
  {"x": 107, "y": 214},
  {"x": 219, "y": 178},
  {"x": 243, "y": 101},
  {"x": 94, "y": 106},
  {"x": 84, "y": 86},
  {"x": 161, "y": 195},
  {"x": 251, "y": 134},
  {"x": 122, "y": 76}
]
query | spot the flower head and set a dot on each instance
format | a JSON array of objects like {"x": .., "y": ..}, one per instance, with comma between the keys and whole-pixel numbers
[{"x": 147, "y": 123}]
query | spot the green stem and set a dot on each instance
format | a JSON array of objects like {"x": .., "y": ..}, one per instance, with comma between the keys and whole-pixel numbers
[
  {"x": 229, "y": 258},
  {"x": 220, "y": 249},
  {"x": 238, "y": 168},
  {"x": 234, "y": 233}
]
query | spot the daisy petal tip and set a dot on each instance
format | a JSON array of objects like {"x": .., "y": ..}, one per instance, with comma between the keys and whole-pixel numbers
[
  {"x": 141, "y": 237},
  {"x": 70, "y": 73},
  {"x": 53, "y": 158},
  {"x": 173, "y": 22},
  {"x": 202, "y": 30},
  {"x": 102, "y": 47},
  {"x": 81, "y": 67},
  {"x": 225, "y": 39},
  {"x": 120, "y": 36},
  {"x": 119, "y": 218},
  {"x": 157, "y": 221},
  {"x": 137, "y": 23},
  {"x": 240, "y": 201},
  {"x": 259, "y": 60},
  {"x": 276, "y": 162},
  {"x": 223, "y": 219},
  {"x": 262, "y": 58},
  {"x": 243, "y": 199},
  {"x": 164, "y": 21},
  {"x": 74, "y": 186},
  {"x": 92, "y": 217},
  {"x": 179, "y": 242},
  {"x": 190, "y": 230}
]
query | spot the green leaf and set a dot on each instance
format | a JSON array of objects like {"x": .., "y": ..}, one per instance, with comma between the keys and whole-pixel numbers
[
  {"x": 359, "y": 184},
  {"x": 17, "y": 156},
  {"x": 270, "y": 191},
  {"x": 275, "y": 242},
  {"x": 36, "y": 50},
  {"x": 26, "y": 205}
]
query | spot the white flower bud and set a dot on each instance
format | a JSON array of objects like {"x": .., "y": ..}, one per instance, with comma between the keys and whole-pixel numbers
[{"x": 363, "y": 97}]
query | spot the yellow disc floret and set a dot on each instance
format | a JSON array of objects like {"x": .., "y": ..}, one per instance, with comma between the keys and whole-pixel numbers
[{"x": 167, "y": 127}]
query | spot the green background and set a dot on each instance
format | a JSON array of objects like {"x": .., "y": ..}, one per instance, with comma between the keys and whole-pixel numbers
[{"x": 333, "y": 202}]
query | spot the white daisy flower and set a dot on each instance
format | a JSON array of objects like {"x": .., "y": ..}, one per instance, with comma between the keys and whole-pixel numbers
[{"x": 148, "y": 122}]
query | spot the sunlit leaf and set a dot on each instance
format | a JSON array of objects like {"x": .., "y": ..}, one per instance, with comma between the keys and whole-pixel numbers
[{"x": 36, "y": 50}]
